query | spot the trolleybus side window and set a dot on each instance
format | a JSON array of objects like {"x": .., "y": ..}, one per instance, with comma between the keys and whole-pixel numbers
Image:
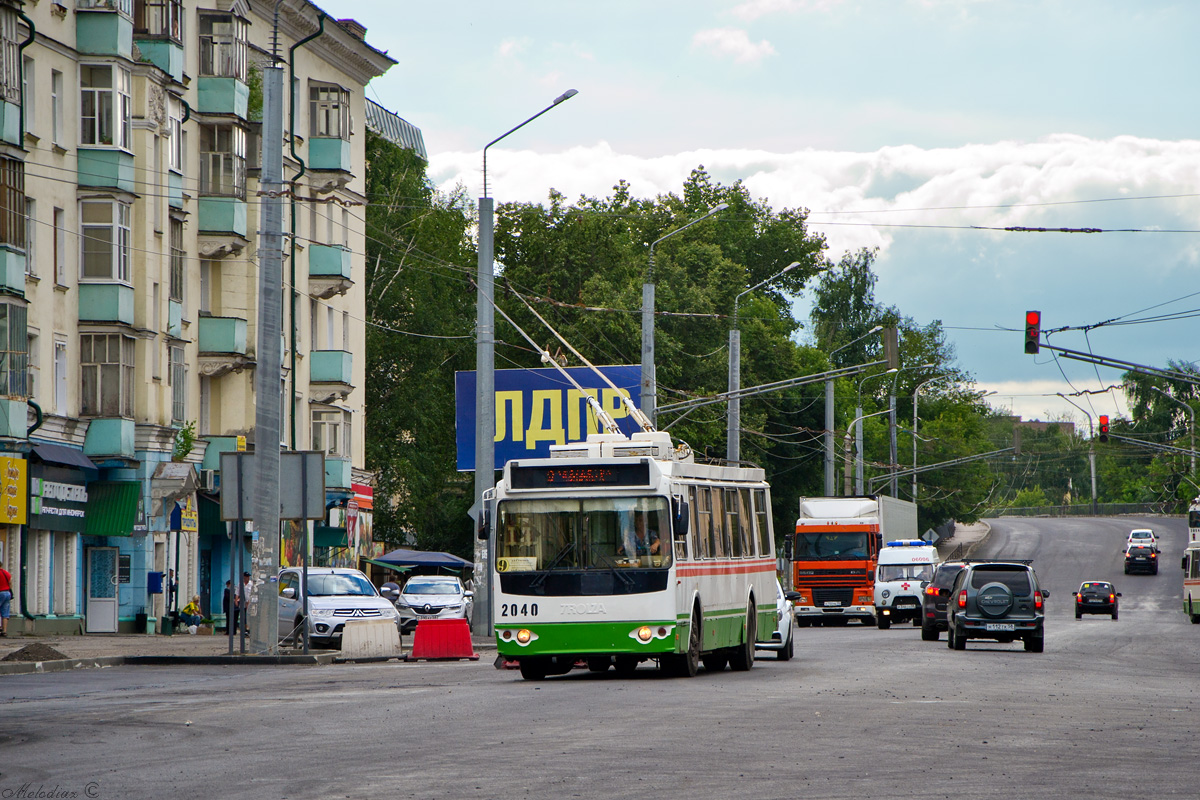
[
  {"x": 731, "y": 522},
  {"x": 720, "y": 527},
  {"x": 746, "y": 522},
  {"x": 693, "y": 523},
  {"x": 764, "y": 525},
  {"x": 704, "y": 517}
]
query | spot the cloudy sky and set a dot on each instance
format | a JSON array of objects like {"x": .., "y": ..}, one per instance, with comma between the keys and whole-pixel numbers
[{"x": 915, "y": 126}]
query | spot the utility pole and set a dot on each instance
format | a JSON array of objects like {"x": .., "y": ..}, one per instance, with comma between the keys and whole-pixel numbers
[{"x": 268, "y": 400}]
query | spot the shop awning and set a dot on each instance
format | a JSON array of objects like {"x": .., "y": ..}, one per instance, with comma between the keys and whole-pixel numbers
[
  {"x": 420, "y": 558},
  {"x": 328, "y": 536},
  {"x": 66, "y": 456},
  {"x": 386, "y": 565},
  {"x": 171, "y": 481},
  {"x": 113, "y": 508}
]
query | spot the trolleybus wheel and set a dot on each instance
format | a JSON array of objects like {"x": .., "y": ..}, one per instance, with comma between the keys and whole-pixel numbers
[
  {"x": 533, "y": 669},
  {"x": 742, "y": 657},
  {"x": 686, "y": 665}
]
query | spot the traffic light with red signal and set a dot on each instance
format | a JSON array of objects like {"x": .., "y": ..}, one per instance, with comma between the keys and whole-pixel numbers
[
  {"x": 1104, "y": 427},
  {"x": 1033, "y": 332}
]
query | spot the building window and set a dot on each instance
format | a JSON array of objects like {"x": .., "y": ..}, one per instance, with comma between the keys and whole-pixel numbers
[
  {"x": 175, "y": 136},
  {"x": 12, "y": 202},
  {"x": 223, "y": 161},
  {"x": 124, "y": 7},
  {"x": 10, "y": 57},
  {"x": 106, "y": 238},
  {"x": 177, "y": 377},
  {"x": 163, "y": 18},
  {"x": 30, "y": 237},
  {"x": 33, "y": 362},
  {"x": 60, "y": 377},
  {"x": 223, "y": 46},
  {"x": 56, "y": 106},
  {"x": 106, "y": 364},
  {"x": 60, "y": 247},
  {"x": 329, "y": 111},
  {"x": 331, "y": 431},
  {"x": 206, "y": 274},
  {"x": 29, "y": 84},
  {"x": 14, "y": 351},
  {"x": 104, "y": 105},
  {"x": 178, "y": 257}
]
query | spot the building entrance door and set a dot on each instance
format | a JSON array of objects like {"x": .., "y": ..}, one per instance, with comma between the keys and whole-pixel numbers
[{"x": 102, "y": 590}]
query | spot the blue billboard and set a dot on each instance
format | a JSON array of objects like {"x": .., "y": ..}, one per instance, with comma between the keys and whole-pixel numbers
[{"x": 536, "y": 408}]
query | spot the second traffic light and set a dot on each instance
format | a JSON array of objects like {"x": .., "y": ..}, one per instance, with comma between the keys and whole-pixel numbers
[
  {"x": 1033, "y": 332},
  {"x": 1103, "y": 427}
]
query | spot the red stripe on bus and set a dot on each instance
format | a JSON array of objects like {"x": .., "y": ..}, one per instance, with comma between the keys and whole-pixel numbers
[{"x": 726, "y": 569}]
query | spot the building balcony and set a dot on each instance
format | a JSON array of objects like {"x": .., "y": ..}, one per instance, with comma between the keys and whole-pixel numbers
[
  {"x": 106, "y": 302},
  {"x": 329, "y": 162},
  {"x": 337, "y": 472},
  {"x": 328, "y": 270},
  {"x": 163, "y": 53},
  {"x": 330, "y": 373},
  {"x": 222, "y": 96},
  {"x": 175, "y": 190},
  {"x": 175, "y": 319},
  {"x": 105, "y": 168},
  {"x": 104, "y": 28},
  {"x": 13, "y": 418},
  {"x": 222, "y": 226},
  {"x": 222, "y": 343},
  {"x": 110, "y": 437},
  {"x": 12, "y": 271},
  {"x": 10, "y": 123}
]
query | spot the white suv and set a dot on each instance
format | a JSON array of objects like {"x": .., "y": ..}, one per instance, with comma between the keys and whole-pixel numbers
[
  {"x": 433, "y": 597},
  {"x": 336, "y": 596}
]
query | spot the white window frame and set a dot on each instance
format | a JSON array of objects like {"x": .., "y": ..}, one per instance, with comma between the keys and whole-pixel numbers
[
  {"x": 60, "y": 247},
  {"x": 174, "y": 136},
  {"x": 98, "y": 379},
  {"x": 119, "y": 237},
  {"x": 223, "y": 46},
  {"x": 178, "y": 262},
  {"x": 223, "y": 161},
  {"x": 30, "y": 236},
  {"x": 14, "y": 350},
  {"x": 328, "y": 111},
  {"x": 10, "y": 57},
  {"x": 56, "y": 107},
  {"x": 29, "y": 89},
  {"x": 61, "y": 368},
  {"x": 112, "y": 102},
  {"x": 177, "y": 379},
  {"x": 331, "y": 430}
]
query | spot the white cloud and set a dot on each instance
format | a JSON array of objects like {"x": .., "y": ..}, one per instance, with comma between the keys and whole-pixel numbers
[
  {"x": 733, "y": 42},
  {"x": 1039, "y": 400},
  {"x": 753, "y": 9},
  {"x": 514, "y": 46}
]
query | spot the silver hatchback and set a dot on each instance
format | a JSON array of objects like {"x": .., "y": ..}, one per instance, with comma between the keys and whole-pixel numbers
[{"x": 433, "y": 597}]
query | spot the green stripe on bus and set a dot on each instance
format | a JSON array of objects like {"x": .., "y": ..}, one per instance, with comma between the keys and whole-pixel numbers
[{"x": 589, "y": 638}]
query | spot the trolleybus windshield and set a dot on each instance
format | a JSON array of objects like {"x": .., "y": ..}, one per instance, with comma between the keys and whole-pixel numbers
[{"x": 598, "y": 533}]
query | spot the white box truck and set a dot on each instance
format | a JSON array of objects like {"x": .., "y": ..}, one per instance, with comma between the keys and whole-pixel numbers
[{"x": 834, "y": 552}]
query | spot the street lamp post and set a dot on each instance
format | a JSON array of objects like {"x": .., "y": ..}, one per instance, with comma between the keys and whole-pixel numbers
[
  {"x": 893, "y": 456},
  {"x": 858, "y": 435},
  {"x": 649, "y": 388},
  {"x": 485, "y": 380},
  {"x": 1091, "y": 448},
  {"x": 858, "y": 455},
  {"x": 1191, "y": 427},
  {"x": 733, "y": 433},
  {"x": 829, "y": 465},
  {"x": 917, "y": 391}
]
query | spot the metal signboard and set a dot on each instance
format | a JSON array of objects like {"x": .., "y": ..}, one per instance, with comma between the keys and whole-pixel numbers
[
  {"x": 301, "y": 485},
  {"x": 536, "y": 408}
]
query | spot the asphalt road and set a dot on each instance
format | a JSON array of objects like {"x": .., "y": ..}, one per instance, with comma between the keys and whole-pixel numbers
[{"x": 1110, "y": 710}]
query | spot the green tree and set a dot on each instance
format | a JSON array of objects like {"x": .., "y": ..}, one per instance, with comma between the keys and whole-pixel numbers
[{"x": 420, "y": 313}]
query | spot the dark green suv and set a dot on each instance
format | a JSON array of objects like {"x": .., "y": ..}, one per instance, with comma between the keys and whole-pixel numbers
[{"x": 997, "y": 600}]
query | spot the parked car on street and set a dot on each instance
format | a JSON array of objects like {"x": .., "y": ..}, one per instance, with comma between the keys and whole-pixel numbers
[
  {"x": 935, "y": 598},
  {"x": 997, "y": 600},
  {"x": 336, "y": 595},
  {"x": 1141, "y": 558},
  {"x": 785, "y": 622},
  {"x": 433, "y": 597},
  {"x": 1096, "y": 597}
]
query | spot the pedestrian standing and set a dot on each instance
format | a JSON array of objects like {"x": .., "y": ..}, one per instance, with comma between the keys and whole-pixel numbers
[
  {"x": 244, "y": 600},
  {"x": 5, "y": 598},
  {"x": 231, "y": 610}
]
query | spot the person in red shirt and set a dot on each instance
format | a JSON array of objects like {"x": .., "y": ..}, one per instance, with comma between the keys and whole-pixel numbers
[{"x": 5, "y": 598}]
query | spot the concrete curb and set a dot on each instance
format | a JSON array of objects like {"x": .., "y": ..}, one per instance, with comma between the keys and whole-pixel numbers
[
  {"x": 312, "y": 659},
  {"x": 63, "y": 665}
]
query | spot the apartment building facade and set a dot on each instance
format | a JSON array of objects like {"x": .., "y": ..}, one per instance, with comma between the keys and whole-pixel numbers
[{"x": 129, "y": 156}]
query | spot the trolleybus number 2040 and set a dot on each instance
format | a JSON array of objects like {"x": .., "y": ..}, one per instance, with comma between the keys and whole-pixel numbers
[{"x": 518, "y": 609}]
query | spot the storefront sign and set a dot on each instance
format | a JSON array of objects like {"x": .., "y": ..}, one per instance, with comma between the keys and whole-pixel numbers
[
  {"x": 13, "y": 501},
  {"x": 56, "y": 503},
  {"x": 189, "y": 516}
]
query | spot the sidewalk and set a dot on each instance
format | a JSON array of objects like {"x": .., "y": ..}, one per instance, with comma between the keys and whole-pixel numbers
[
  {"x": 965, "y": 539},
  {"x": 111, "y": 649}
]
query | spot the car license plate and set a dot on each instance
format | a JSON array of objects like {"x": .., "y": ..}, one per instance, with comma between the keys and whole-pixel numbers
[
  {"x": 906, "y": 605},
  {"x": 1094, "y": 600},
  {"x": 1000, "y": 626},
  {"x": 832, "y": 603}
]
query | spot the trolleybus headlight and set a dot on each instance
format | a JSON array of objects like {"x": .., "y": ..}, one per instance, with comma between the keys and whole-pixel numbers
[
  {"x": 644, "y": 633},
  {"x": 524, "y": 636}
]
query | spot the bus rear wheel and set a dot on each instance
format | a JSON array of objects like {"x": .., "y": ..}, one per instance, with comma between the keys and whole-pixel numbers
[{"x": 742, "y": 657}]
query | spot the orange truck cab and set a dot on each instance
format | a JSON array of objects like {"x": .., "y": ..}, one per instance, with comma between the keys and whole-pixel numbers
[{"x": 834, "y": 551}]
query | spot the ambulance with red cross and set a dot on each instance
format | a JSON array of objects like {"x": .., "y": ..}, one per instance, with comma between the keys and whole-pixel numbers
[{"x": 904, "y": 569}]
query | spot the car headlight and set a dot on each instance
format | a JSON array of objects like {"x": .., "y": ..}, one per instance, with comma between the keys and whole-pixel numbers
[
  {"x": 321, "y": 612},
  {"x": 886, "y": 594}
]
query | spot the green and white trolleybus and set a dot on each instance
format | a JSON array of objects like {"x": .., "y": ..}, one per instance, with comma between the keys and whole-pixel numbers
[{"x": 619, "y": 550}]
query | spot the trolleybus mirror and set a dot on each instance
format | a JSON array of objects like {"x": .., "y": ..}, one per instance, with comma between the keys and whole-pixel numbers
[
  {"x": 484, "y": 523},
  {"x": 680, "y": 525}
]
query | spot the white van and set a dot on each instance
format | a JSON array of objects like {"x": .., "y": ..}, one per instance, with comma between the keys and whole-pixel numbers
[{"x": 904, "y": 569}]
